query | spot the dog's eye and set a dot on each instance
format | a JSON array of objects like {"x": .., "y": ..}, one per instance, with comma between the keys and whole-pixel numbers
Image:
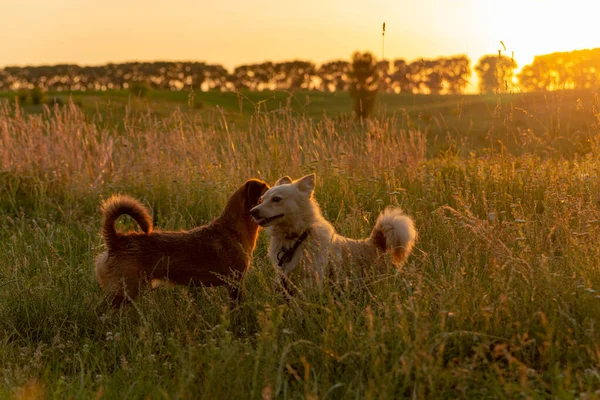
[{"x": 276, "y": 199}]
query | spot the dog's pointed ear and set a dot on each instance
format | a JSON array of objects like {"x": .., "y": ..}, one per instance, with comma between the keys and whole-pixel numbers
[
  {"x": 284, "y": 181},
  {"x": 255, "y": 188},
  {"x": 306, "y": 184}
]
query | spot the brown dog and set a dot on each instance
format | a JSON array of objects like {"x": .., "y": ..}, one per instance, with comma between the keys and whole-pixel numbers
[{"x": 212, "y": 255}]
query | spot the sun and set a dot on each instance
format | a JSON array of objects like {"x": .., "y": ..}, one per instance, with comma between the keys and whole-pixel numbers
[{"x": 528, "y": 28}]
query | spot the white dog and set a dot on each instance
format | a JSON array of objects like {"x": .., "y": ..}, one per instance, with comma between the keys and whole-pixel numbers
[{"x": 300, "y": 234}]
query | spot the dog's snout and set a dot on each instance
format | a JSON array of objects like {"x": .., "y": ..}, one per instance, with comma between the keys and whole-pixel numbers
[{"x": 255, "y": 213}]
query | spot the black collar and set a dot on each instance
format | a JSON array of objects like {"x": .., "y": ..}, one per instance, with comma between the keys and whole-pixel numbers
[{"x": 284, "y": 255}]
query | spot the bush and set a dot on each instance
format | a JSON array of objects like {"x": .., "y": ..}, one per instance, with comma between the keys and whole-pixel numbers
[
  {"x": 22, "y": 97},
  {"x": 139, "y": 89},
  {"x": 37, "y": 96}
]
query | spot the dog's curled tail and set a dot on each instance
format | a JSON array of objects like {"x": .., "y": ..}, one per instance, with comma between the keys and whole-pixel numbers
[
  {"x": 116, "y": 206},
  {"x": 395, "y": 232}
]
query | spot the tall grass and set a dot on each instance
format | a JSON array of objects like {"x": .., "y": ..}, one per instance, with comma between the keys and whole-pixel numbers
[{"x": 498, "y": 300}]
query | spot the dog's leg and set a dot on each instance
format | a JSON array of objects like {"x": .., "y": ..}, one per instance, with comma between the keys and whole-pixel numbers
[
  {"x": 319, "y": 266},
  {"x": 332, "y": 273},
  {"x": 123, "y": 298},
  {"x": 120, "y": 301},
  {"x": 287, "y": 287},
  {"x": 236, "y": 293},
  {"x": 127, "y": 292},
  {"x": 235, "y": 285}
]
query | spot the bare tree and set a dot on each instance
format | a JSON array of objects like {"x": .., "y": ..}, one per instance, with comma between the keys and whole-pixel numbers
[{"x": 364, "y": 83}]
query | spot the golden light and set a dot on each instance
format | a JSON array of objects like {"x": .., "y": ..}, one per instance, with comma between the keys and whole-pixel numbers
[{"x": 535, "y": 27}]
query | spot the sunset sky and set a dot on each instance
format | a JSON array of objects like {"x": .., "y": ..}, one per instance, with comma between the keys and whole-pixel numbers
[{"x": 232, "y": 32}]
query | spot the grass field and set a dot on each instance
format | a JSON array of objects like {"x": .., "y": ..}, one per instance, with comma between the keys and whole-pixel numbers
[
  {"x": 501, "y": 298},
  {"x": 455, "y": 123}
]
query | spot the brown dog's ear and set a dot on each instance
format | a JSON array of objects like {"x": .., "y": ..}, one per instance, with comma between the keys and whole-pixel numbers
[
  {"x": 255, "y": 188},
  {"x": 284, "y": 181}
]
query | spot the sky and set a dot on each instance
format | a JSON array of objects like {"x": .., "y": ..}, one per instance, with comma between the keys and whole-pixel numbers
[{"x": 234, "y": 32}]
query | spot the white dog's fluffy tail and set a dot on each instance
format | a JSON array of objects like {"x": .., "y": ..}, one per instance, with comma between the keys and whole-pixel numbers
[{"x": 395, "y": 232}]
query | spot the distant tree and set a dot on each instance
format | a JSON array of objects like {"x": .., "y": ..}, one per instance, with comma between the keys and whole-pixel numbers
[
  {"x": 294, "y": 75},
  {"x": 495, "y": 73},
  {"x": 456, "y": 72},
  {"x": 333, "y": 75},
  {"x": 385, "y": 78},
  {"x": 255, "y": 76},
  {"x": 433, "y": 70},
  {"x": 216, "y": 77},
  {"x": 578, "y": 69},
  {"x": 537, "y": 77},
  {"x": 364, "y": 82},
  {"x": 264, "y": 75},
  {"x": 400, "y": 78},
  {"x": 439, "y": 76},
  {"x": 418, "y": 76},
  {"x": 241, "y": 77}
]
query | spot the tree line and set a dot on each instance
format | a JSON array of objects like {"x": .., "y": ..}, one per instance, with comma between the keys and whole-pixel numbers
[
  {"x": 579, "y": 69},
  {"x": 443, "y": 75}
]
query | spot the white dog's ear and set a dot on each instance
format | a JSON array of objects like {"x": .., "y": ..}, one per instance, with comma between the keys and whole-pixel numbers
[
  {"x": 306, "y": 183},
  {"x": 283, "y": 181}
]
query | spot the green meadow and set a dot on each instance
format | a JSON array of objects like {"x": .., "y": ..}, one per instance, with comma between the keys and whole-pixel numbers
[
  {"x": 562, "y": 120},
  {"x": 500, "y": 299}
]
